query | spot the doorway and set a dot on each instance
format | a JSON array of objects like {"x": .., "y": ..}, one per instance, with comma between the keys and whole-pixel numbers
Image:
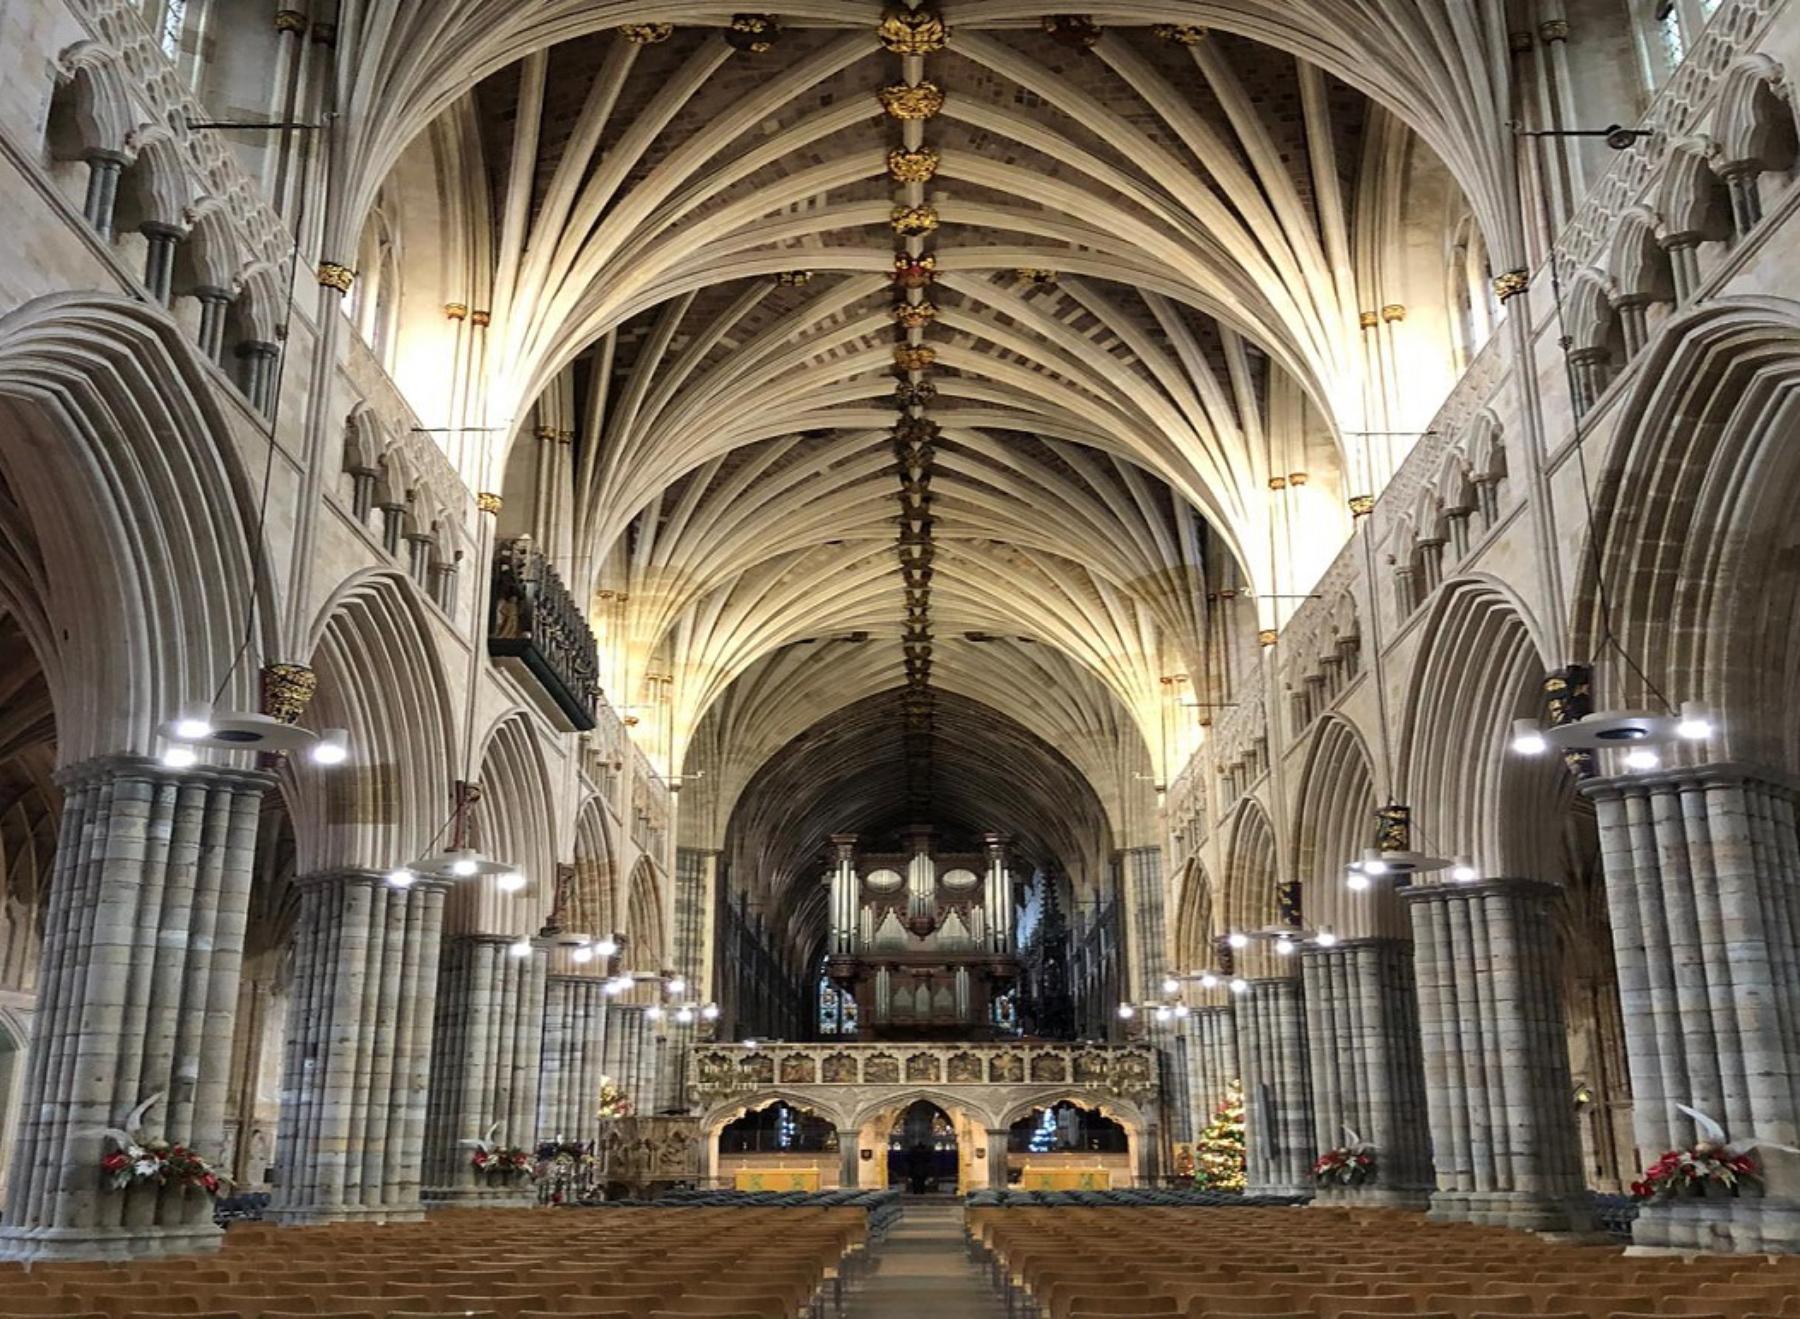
[{"x": 922, "y": 1150}]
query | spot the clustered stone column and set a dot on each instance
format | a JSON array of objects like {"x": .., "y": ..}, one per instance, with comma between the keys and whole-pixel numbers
[
  {"x": 484, "y": 1068},
  {"x": 1362, "y": 1028},
  {"x": 1703, "y": 884},
  {"x": 1278, "y": 1122},
  {"x": 849, "y": 1159},
  {"x": 358, "y": 1049},
  {"x": 143, "y": 948},
  {"x": 575, "y": 1013},
  {"x": 1497, "y": 1081},
  {"x": 1142, "y": 873},
  {"x": 627, "y": 1033},
  {"x": 1212, "y": 1060}
]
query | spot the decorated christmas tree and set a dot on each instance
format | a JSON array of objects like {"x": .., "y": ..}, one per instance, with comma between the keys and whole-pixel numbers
[{"x": 1219, "y": 1151}]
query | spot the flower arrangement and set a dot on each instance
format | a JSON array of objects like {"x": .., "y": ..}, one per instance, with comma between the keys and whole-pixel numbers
[
  {"x": 614, "y": 1102},
  {"x": 1219, "y": 1151},
  {"x": 1691, "y": 1171},
  {"x": 1347, "y": 1165},
  {"x": 567, "y": 1152},
  {"x": 139, "y": 1162},
  {"x": 135, "y": 1160},
  {"x": 501, "y": 1160}
]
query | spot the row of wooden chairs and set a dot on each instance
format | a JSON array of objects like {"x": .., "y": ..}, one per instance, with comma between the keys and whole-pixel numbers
[
  {"x": 729, "y": 1263},
  {"x": 1335, "y": 1263}
]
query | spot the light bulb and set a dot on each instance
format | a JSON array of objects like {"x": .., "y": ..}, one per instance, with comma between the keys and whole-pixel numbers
[
  {"x": 1126, "y": 1012},
  {"x": 179, "y": 757},
  {"x": 607, "y": 946},
  {"x": 1239, "y": 985},
  {"x": 1528, "y": 738},
  {"x": 678, "y": 986},
  {"x": 1326, "y": 939},
  {"x": 582, "y": 955},
  {"x": 1181, "y": 1010},
  {"x": 1694, "y": 725},
  {"x": 1238, "y": 940},
  {"x": 511, "y": 882},
  {"x": 1163, "y": 1014},
  {"x": 684, "y": 1016},
  {"x": 194, "y": 722},
  {"x": 1464, "y": 872},
  {"x": 1171, "y": 985},
  {"x": 1284, "y": 946},
  {"x": 464, "y": 866},
  {"x": 1373, "y": 864},
  {"x": 653, "y": 1013},
  {"x": 1356, "y": 881},
  {"x": 1209, "y": 981},
  {"x": 332, "y": 748},
  {"x": 749, "y": 1044},
  {"x": 1642, "y": 758},
  {"x": 521, "y": 949},
  {"x": 613, "y": 987},
  {"x": 401, "y": 877},
  {"x": 710, "y": 1012}
]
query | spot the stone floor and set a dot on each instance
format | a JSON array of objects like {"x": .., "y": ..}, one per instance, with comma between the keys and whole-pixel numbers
[{"x": 922, "y": 1270}]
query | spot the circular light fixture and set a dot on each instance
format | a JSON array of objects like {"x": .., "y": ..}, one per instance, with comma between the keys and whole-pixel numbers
[
  {"x": 1613, "y": 728},
  {"x": 241, "y": 730},
  {"x": 400, "y": 877},
  {"x": 461, "y": 863}
]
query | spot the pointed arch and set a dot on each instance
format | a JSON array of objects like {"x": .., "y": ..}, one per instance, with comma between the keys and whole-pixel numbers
[
  {"x": 646, "y": 933},
  {"x": 593, "y": 908},
  {"x": 1334, "y": 821}
]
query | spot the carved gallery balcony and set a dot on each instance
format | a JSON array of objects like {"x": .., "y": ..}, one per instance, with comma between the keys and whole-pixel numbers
[
  {"x": 536, "y": 628},
  {"x": 1128, "y": 1070}
]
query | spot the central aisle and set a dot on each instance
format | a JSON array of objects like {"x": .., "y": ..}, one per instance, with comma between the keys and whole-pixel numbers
[{"x": 923, "y": 1268}]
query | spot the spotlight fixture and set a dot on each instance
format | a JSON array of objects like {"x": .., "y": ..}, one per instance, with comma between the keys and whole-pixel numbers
[
  {"x": 179, "y": 757},
  {"x": 582, "y": 955},
  {"x": 1463, "y": 871},
  {"x": 1237, "y": 939},
  {"x": 1642, "y": 758},
  {"x": 678, "y": 986},
  {"x": 1325, "y": 939},
  {"x": 1356, "y": 881},
  {"x": 193, "y": 723},
  {"x": 1209, "y": 981},
  {"x": 684, "y": 1015},
  {"x": 400, "y": 877},
  {"x": 1284, "y": 946},
  {"x": 1171, "y": 985},
  {"x": 520, "y": 948},
  {"x": 1695, "y": 725},
  {"x": 1126, "y": 1012},
  {"x": 750, "y": 1044},
  {"x": 1239, "y": 985},
  {"x": 333, "y": 748},
  {"x": 653, "y": 1013},
  {"x": 607, "y": 946},
  {"x": 710, "y": 1012},
  {"x": 1163, "y": 1014},
  {"x": 1528, "y": 738},
  {"x": 510, "y": 881}
]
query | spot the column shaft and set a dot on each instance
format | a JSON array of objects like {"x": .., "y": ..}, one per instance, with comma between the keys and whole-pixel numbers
[
  {"x": 142, "y": 955},
  {"x": 1278, "y": 1123},
  {"x": 1496, "y": 1061}
]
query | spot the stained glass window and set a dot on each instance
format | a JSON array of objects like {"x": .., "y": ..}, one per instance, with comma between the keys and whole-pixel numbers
[
  {"x": 174, "y": 22},
  {"x": 837, "y": 1009}
]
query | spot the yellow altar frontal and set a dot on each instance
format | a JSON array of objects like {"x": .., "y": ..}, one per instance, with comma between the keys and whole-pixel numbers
[
  {"x": 778, "y": 1179},
  {"x": 1065, "y": 1179}
]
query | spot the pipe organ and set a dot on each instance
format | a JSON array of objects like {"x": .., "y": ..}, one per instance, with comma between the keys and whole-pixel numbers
[{"x": 924, "y": 940}]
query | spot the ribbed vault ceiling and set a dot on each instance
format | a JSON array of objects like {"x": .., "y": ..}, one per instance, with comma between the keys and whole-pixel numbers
[{"x": 1145, "y": 307}]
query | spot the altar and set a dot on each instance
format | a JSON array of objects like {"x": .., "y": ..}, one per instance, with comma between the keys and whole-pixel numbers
[
  {"x": 1064, "y": 1179},
  {"x": 777, "y": 1179}
]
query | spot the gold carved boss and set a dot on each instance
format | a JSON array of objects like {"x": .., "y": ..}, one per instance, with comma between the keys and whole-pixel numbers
[
  {"x": 913, "y": 31},
  {"x": 919, "y": 166},
  {"x": 912, "y": 100},
  {"x": 914, "y": 221}
]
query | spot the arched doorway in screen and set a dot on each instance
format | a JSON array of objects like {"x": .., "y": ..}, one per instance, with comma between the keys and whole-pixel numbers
[{"x": 922, "y": 1150}]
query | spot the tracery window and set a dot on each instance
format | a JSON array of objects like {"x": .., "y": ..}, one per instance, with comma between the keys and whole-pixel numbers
[{"x": 173, "y": 24}]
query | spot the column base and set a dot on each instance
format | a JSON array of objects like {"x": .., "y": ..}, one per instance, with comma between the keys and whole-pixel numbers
[
  {"x": 1526, "y": 1211},
  {"x": 1373, "y": 1197},
  {"x": 314, "y": 1215},
  {"x": 1305, "y": 1190},
  {"x": 478, "y": 1197},
  {"x": 1741, "y": 1225},
  {"x": 38, "y": 1244}
]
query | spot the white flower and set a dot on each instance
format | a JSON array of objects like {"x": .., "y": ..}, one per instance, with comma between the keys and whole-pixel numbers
[{"x": 145, "y": 1167}]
